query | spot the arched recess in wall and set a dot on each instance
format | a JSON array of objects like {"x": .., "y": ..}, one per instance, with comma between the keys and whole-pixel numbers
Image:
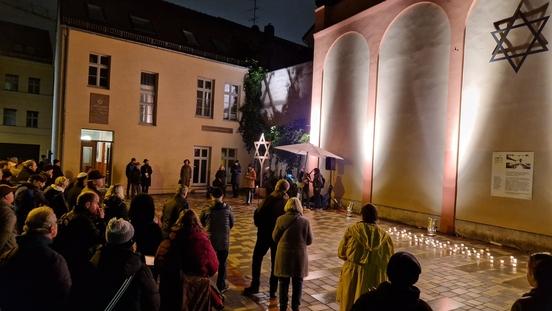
[
  {"x": 344, "y": 109},
  {"x": 411, "y": 110},
  {"x": 505, "y": 111}
]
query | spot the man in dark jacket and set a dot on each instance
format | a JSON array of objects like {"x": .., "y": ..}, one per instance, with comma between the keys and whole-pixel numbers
[
  {"x": 399, "y": 293},
  {"x": 218, "y": 219},
  {"x": 8, "y": 229},
  {"x": 57, "y": 169},
  {"x": 128, "y": 171},
  {"x": 28, "y": 196},
  {"x": 38, "y": 276},
  {"x": 54, "y": 196},
  {"x": 173, "y": 208},
  {"x": 80, "y": 232},
  {"x": 235, "y": 172},
  {"x": 116, "y": 262},
  {"x": 265, "y": 219},
  {"x": 145, "y": 175}
]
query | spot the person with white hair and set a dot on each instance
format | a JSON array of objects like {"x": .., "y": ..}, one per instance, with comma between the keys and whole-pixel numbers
[
  {"x": 35, "y": 277},
  {"x": 292, "y": 233},
  {"x": 54, "y": 196}
]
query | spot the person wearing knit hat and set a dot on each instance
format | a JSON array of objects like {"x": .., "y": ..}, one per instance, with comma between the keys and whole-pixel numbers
[
  {"x": 399, "y": 293},
  {"x": 119, "y": 231},
  {"x": 116, "y": 262}
]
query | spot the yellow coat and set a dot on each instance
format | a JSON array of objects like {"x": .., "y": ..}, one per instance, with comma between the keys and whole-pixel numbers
[{"x": 366, "y": 249}]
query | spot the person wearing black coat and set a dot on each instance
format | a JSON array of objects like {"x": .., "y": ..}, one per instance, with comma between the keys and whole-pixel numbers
[
  {"x": 135, "y": 179},
  {"x": 27, "y": 197},
  {"x": 235, "y": 172},
  {"x": 539, "y": 275},
  {"x": 117, "y": 261},
  {"x": 127, "y": 174},
  {"x": 265, "y": 219},
  {"x": 114, "y": 203},
  {"x": 54, "y": 196},
  {"x": 399, "y": 293},
  {"x": 173, "y": 208},
  {"x": 145, "y": 175},
  {"x": 35, "y": 277},
  {"x": 74, "y": 189},
  {"x": 218, "y": 219},
  {"x": 147, "y": 234}
]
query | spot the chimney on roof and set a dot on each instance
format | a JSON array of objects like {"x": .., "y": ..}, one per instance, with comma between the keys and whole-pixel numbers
[{"x": 269, "y": 30}]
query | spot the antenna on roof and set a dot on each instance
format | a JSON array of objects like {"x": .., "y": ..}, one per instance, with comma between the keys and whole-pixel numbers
[{"x": 255, "y": 8}]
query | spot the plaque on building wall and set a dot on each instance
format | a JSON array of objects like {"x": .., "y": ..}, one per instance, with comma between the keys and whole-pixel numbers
[
  {"x": 217, "y": 129},
  {"x": 512, "y": 175},
  {"x": 99, "y": 108}
]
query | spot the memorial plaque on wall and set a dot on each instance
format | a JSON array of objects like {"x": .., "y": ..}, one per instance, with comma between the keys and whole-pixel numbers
[
  {"x": 512, "y": 175},
  {"x": 99, "y": 108}
]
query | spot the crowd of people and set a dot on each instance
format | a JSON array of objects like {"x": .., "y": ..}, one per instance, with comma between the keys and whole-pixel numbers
[{"x": 74, "y": 245}]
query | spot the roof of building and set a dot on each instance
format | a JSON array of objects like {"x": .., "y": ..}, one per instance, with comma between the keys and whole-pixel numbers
[
  {"x": 25, "y": 42},
  {"x": 181, "y": 29}
]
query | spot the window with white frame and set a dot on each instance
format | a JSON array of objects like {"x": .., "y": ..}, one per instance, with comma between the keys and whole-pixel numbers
[
  {"x": 11, "y": 82},
  {"x": 33, "y": 86},
  {"x": 98, "y": 70},
  {"x": 32, "y": 119},
  {"x": 10, "y": 117},
  {"x": 148, "y": 85},
  {"x": 204, "y": 106},
  {"x": 231, "y": 101}
]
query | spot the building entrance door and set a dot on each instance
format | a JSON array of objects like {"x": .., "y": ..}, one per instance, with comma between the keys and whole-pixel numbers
[
  {"x": 96, "y": 152},
  {"x": 200, "y": 176}
]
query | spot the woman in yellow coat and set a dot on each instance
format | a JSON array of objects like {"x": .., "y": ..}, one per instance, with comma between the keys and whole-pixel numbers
[{"x": 366, "y": 249}]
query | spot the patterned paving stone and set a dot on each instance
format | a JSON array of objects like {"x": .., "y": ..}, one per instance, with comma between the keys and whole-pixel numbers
[{"x": 449, "y": 281}]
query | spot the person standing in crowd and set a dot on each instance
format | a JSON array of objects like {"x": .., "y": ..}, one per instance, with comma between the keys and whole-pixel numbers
[
  {"x": 218, "y": 219},
  {"x": 27, "y": 197},
  {"x": 186, "y": 173},
  {"x": 95, "y": 183},
  {"x": 318, "y": 182},
  {"x": 117, "y": 261},
  {"x": 265, "y": 219},
  {"x": 55, "y": 198},
  {"x": 399, "y": 293},
  {"x": 235, "y": 172},
  {"x": 6, "y": 177},
  {"x": 250, "y": 178},
  {"x": 173, "y": 209},
  {"x": 48, "y": 172},
  {"x": 185, "y": 263},
  {"x": 35, "y": 277},
  {"x": 539, "y": 276},
  {"x": 29, "y": 168},
  {"x": 220, "y": 179},
  {"x": 12, "y": 166},
  {"x": 145, "y": 175},
  {"x": 43, "y": 162},
  {"x": 366, "y": 249},
  {"x": 147, "y": 233},
  {"x": 127, "y": 174},
  {"x": 80, "y": 233},
  {"x": 8, "y": 220},
  {"x": 135, "y": 179},
  {"x": 292, "y": 233},
  {"x": 114, "y": 202},
  {"x": 74, "y": 189},
  {"x": 57, "y": 169}
]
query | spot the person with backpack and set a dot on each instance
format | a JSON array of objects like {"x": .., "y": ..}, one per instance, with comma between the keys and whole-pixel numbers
[{"x": 218, "y": 219}]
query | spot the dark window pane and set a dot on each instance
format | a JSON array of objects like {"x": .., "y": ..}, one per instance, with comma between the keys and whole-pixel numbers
[
  {"x": 93, "y": 58},
  {"x": 104, "y": 82},
  {"x": 204, "y": 152},
  {"x": 200, "y": 83},
  {"x": 104, "y": 60},
  {"x": 104, "y": 73}
]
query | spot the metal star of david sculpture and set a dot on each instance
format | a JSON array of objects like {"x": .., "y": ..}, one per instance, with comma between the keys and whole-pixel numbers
[
  {"x": 516, "y": 52},
  {"x": 266, "y": 145}
]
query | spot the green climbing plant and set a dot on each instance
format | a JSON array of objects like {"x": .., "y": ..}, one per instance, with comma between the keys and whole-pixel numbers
[{"x": 252, "y": 124}]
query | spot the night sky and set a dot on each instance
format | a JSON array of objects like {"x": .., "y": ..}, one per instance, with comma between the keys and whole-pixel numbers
[{"x": 291, "y": 18}]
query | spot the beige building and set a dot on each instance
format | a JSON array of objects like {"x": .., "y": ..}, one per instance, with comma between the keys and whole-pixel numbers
[
  {"x": 26, "y": 72},
  {"x": 131, "y": 91}
]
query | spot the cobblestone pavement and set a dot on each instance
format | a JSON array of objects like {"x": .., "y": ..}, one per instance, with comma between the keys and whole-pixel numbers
[{"x": 457, "y": 274}]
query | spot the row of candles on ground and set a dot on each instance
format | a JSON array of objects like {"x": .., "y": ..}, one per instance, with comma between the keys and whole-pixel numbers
[{"x": 454, "y": 248}]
